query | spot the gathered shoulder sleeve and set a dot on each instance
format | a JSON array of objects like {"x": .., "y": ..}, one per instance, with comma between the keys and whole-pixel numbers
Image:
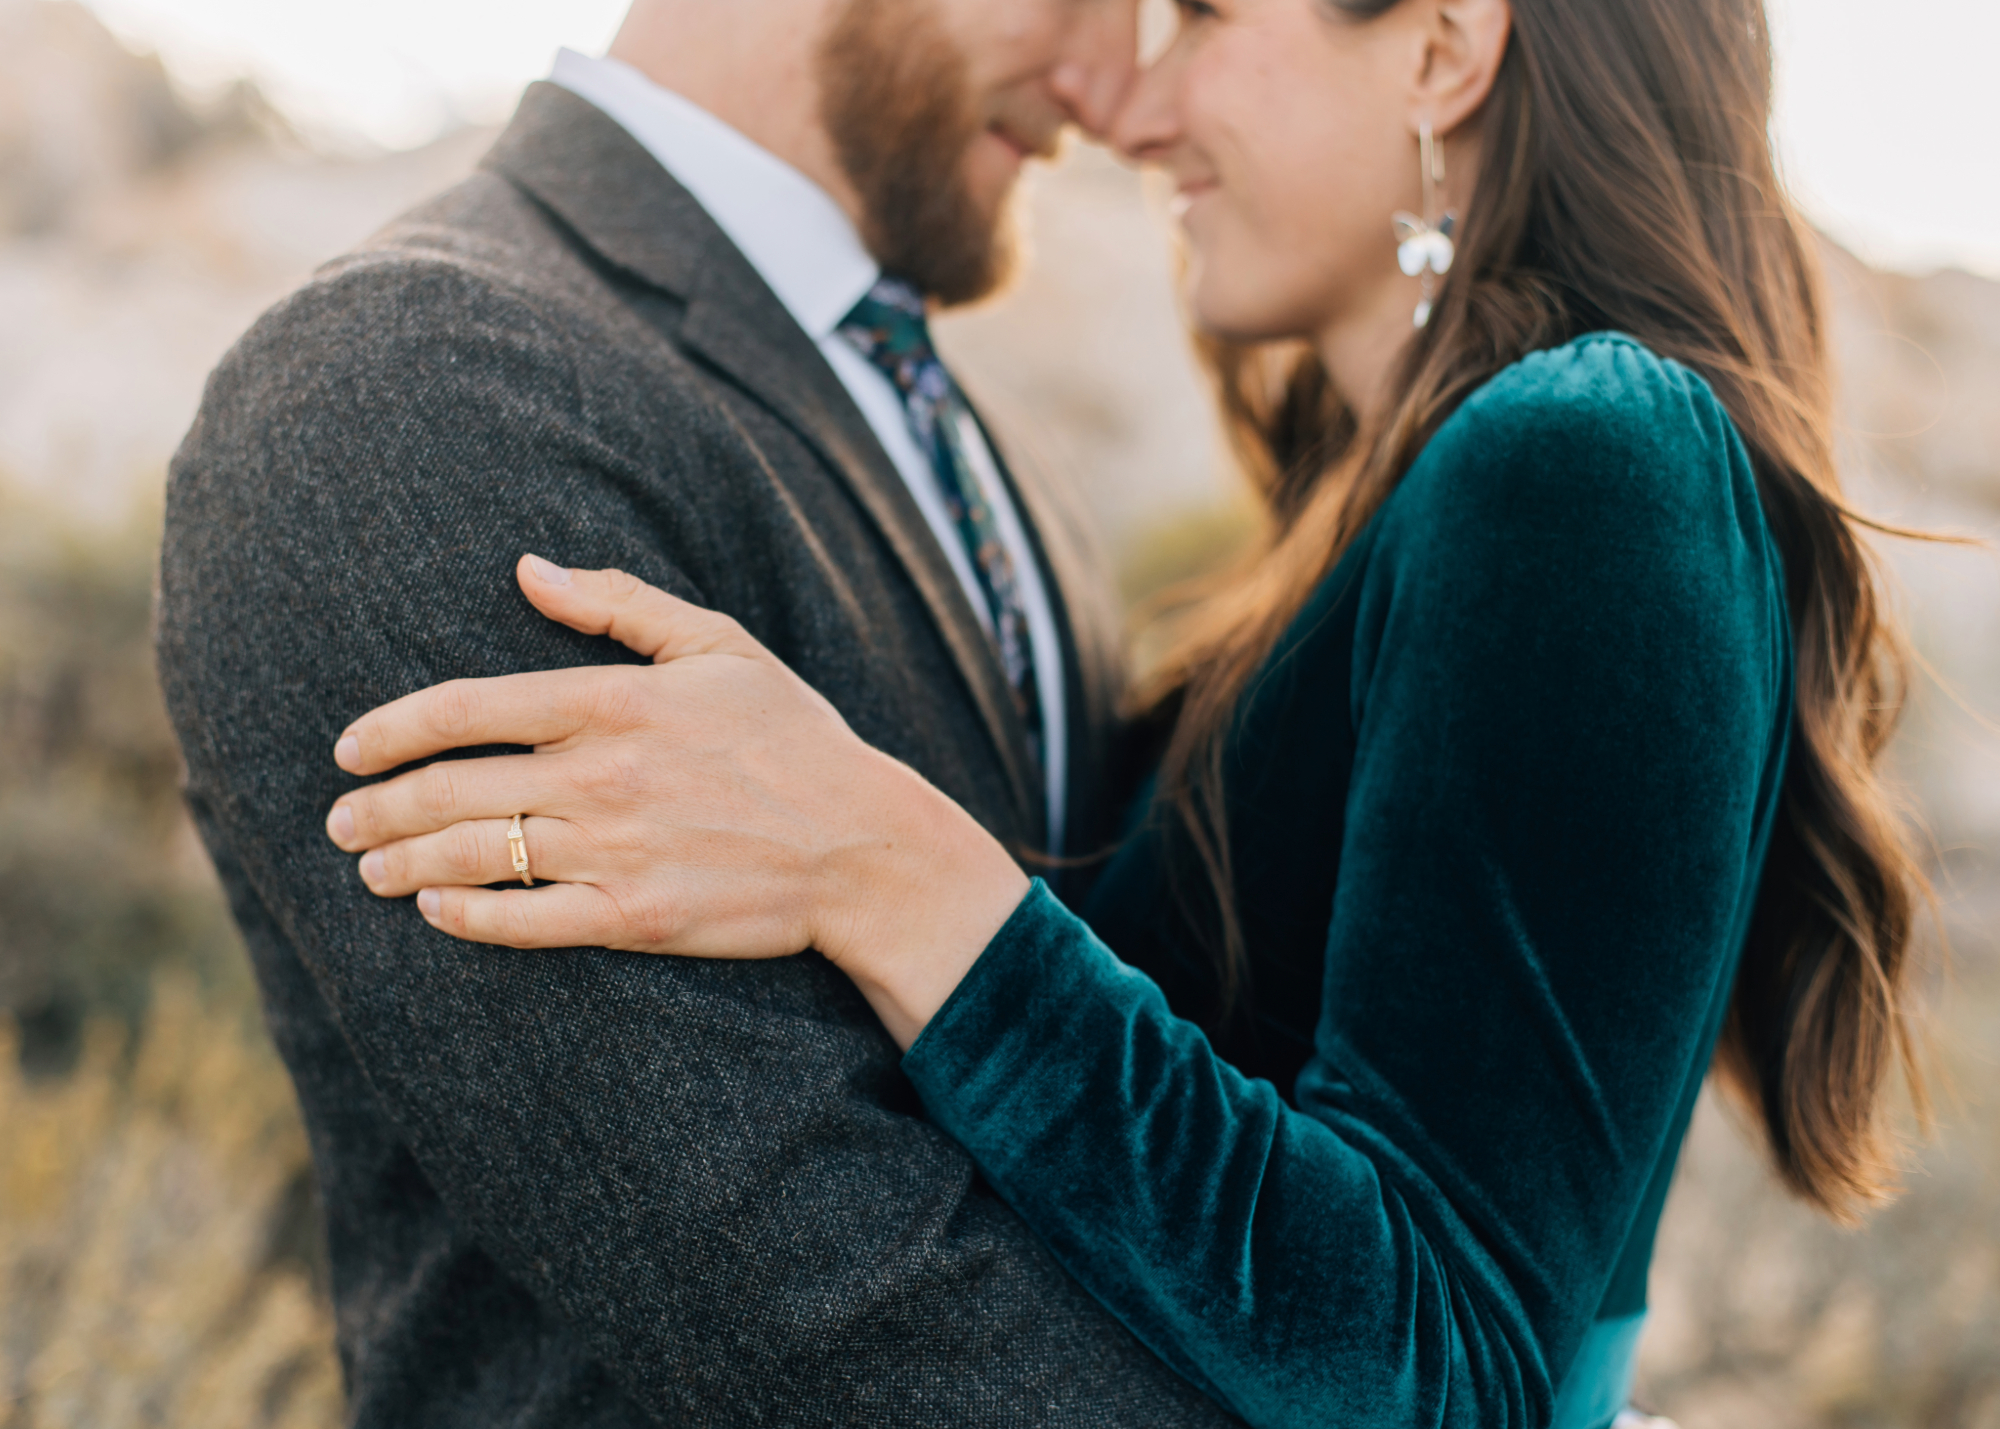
[{"x": 1568, "y": 703}]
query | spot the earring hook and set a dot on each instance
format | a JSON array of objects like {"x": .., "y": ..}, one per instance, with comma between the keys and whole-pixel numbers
[
  {"x": 1424, "y": 245},
  {"x": 1431, "y": 164}
]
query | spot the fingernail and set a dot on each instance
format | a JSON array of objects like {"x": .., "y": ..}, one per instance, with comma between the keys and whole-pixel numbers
[
  {"x": 373, "y": 866},
  {"x": 430, "y": 903},
  {"x": 547, "y": 571},
  {"x": 340, "y": 824},
  {"x": 347, "y": 754}
]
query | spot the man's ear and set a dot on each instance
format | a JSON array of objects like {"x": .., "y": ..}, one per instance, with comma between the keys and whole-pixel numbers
[{"x": 1464, "y": 44}]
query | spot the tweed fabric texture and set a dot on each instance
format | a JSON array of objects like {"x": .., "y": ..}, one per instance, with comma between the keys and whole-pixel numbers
[
  {"x": 1507, "y": 782},
  {"x": 587, "y": 1188}
]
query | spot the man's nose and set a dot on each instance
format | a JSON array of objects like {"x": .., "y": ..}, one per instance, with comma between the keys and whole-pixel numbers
[{"x": 1100, "y": 61}]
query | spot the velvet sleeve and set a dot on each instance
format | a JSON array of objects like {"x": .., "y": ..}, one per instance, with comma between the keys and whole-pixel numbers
[{"x": 1569, "y": 691}]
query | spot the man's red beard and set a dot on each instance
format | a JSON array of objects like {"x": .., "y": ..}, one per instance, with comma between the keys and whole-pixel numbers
[{"x": 896, "y": 100}]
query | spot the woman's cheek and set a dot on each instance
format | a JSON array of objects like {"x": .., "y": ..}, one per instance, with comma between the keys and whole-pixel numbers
[
  {"x": 1245, "y": 286},
  {"x": 1223, "y": 265},
  {"x": 1215, "y": 308}
]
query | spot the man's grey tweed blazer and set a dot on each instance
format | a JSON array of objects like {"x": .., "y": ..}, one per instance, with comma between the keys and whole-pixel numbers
[{"x": 592, "y": 1188}]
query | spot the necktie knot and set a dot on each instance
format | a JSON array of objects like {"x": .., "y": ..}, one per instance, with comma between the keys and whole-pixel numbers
[{"x": 890, "y": 328}]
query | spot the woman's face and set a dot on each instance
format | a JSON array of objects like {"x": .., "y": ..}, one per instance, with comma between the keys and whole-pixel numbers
[{"x": 1287, "y": 127}]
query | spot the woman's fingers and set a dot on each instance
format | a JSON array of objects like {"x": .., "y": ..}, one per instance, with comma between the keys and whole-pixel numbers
[
  {"x": 548, "y": 706},
  {"x": 562, "y": 915},
  {"x": 479, "y": 852},
  {"x": 452, "y": 791},
  {"x": 542, "y": 707},
  {"x": 638, "y": 616}
]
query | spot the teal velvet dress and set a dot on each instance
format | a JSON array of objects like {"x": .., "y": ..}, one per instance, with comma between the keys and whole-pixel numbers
[{"x": 1499, "y": 803}]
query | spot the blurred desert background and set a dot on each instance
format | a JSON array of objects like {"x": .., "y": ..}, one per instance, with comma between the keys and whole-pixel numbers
[{"x": 159, "y": 1253}]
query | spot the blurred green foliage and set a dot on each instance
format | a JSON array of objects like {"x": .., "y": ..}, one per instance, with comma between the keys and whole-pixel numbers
[
  {"x": 161, "y": 1260},
  {"x": 1184, "y": 547},
  {"x": 101, "y": 881}
]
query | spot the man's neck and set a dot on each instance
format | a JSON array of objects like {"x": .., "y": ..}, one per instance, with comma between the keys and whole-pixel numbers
[{"x": 750, "y": 63}]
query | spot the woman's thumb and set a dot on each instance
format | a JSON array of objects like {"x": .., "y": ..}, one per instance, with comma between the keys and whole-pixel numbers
[{"x": 638, "y": 616}]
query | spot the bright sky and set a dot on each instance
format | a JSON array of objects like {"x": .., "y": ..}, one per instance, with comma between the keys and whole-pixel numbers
[{"x": 1885, "y": 111}]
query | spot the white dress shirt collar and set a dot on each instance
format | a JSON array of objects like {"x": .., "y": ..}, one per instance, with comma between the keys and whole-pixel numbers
[{"x": 791, "y": 230}]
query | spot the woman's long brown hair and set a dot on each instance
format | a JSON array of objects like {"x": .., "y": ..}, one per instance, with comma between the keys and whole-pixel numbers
[{"x": 1626, "y": 183}]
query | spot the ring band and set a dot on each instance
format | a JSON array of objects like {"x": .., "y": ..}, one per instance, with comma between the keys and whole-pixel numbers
[{"x": 517, "y": 844}]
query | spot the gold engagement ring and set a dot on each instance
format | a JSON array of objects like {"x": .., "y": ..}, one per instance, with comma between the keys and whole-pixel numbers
[{"x": 517, "y": 844}]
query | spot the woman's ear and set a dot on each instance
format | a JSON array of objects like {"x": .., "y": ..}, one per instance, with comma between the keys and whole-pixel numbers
[{"x": 1465, "y": 42}]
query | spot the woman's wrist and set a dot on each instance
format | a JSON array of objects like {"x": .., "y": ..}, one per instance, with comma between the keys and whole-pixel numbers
[{"x": 913, "y": 902}]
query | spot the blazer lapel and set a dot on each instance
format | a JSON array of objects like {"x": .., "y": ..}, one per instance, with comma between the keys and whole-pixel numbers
[
  {"x": 605, "y": 185},
  {"x": 784, "y": 370}
]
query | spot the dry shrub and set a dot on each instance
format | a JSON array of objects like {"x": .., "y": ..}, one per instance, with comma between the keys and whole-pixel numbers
[{"x": 148, "y": 1271}]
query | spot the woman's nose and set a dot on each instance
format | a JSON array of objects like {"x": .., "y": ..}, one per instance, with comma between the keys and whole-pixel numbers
[{"x": 1147, "y": 123}]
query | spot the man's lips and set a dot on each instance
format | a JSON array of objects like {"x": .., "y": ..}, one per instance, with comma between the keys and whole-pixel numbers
[{"x": 1042, "y": 147}]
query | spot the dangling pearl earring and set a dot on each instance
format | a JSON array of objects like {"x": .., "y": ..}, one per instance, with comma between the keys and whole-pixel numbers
[{"x": 1423, "y": 245}]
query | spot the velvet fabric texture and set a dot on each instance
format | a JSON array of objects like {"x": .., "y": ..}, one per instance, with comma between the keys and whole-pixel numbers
[{"x": 1500, "y": 801}]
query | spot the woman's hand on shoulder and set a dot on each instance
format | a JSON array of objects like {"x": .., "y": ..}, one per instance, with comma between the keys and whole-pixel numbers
[{"x": 711, "y": 804}]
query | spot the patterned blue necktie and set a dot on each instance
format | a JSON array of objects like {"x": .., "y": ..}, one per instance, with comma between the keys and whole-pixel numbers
[{"x": 888, "y": 328}]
